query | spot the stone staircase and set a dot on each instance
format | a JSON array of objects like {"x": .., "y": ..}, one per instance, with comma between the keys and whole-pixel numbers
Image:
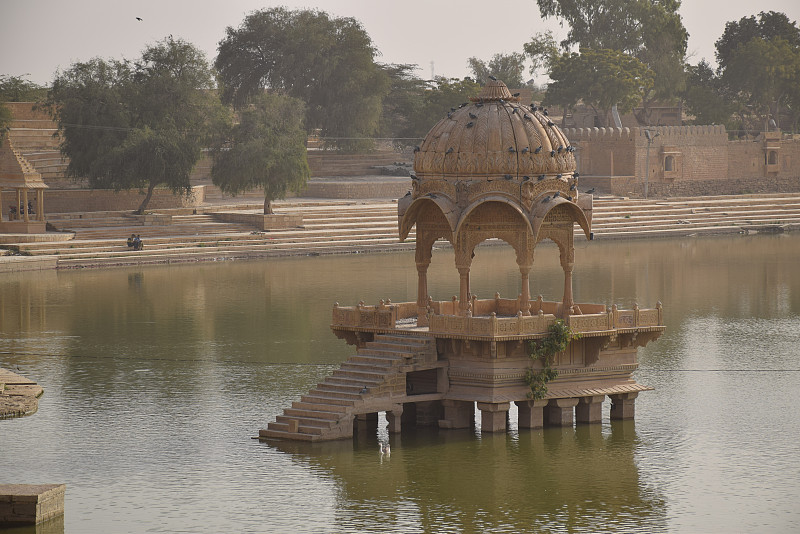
[
  {"x": 335, "y": 227},
  {"x": 371, "y": 381}
]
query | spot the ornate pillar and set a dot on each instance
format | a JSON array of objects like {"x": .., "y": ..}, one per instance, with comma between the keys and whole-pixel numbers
[
  {"x": 589, "y": 409},
  {"x": 463, "y": 299},
  {"x": 395, "y": 417},
  {"x": 531, "y": 413},
  {"x": 27, "y": 217},
  {"x": 493, "y": 416},
  {"x": 40, "y": 204},
  {"x": 623, "y": 405},
  {"x": 560, "y": 412},
  {"x": 17, "y": 205},
  {"x": 457, "y": 414},
  {"x": 567, "y": 255}
]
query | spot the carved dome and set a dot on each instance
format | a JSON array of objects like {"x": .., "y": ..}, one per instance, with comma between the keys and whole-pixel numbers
[{"x": 491, "y": 138}]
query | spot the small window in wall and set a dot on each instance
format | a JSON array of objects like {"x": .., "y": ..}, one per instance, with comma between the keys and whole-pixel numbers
[
  {"x": 669, "y": 164},
  {"x": 772, "y": 158}
]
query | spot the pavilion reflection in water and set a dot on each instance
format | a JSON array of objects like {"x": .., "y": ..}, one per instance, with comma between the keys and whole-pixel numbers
[{"x": 492, "y": 169}]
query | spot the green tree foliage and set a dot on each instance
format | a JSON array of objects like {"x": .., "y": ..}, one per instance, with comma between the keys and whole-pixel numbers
[
  {"x": 16, "y": 89},
  {"x": 19, "y": 89},
  {"x": 759, "y": 63},
  {"x": 266, "y": 149},
  {"x": 542, "y": 51},
  {"x": 329, "y": 63},
  {"x": 650, "y": 30},
  {"x": 706, "y": 97},
  {"x": 600, "y": 78},
  {"x": 136, "y": 125},
  {"x": 403, "y": 103},
  {"x": 545, "y": 350},
  {"x": 507, "y": 68}
]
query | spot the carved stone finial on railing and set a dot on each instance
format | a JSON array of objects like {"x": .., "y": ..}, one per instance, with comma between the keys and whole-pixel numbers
[
  {"x": 658, "y": 305},
  {"x": 496, "y": 295},
  {"x": 541, "y": 312},
  {"x": 335, "y": 304},
  {"x": 381, "y": 304},
  {"x": 388, "y": 302},
  {"x": 519, "y": 314},
  {"x": 360, "y": 303}
]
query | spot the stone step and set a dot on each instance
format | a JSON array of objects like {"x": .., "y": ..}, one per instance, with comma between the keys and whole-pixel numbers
[
  {"x": 358, "y": 374},
  {"x": 277, "y": 433},
  {"x": 321, "y": 406},
  {"x": 374, "y": 360},
  {"x": 359, "y": 366},
  {"x": 302, "y": 413},
  {"x": 343, "y": 395},
  {"x": 357, "y": 383},
  {"x": 326, "y": 400},
  {"x": 283, "y": 426},
  {"x": 308, "y": 422}
]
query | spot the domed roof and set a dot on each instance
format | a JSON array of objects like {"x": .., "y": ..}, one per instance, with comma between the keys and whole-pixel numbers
[{"x": 492, "y": 137}]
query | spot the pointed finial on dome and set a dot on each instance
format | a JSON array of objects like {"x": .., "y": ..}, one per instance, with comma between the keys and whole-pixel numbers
[{"x": 495, "y": 91}]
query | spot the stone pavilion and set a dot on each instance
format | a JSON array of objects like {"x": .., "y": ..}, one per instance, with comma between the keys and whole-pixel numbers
[
  {"x": 492, "y": 169},
  {"x": 18, "y": 175}
]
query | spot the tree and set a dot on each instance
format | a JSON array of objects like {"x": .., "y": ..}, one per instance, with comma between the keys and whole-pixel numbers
[
  {"x": 650, "y": 30},
  {"x": 267, "y": 149},
  {"x": 326, "y": 62},
  {"x": 505, "y": 67},
  {"x": 759, "y": 63},
  {"x": 706, "y": 97},
  {"x": 601, "y": 78},
  {"x": 542, "y": 50},
  {"x": 136, "y": 125},
  {"x": 16, "y": 89}
]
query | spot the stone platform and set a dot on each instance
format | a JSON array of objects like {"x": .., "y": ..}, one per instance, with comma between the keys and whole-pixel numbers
[
  {"x": 30, "y": 504},
  {"x": 18, "y": 395}
]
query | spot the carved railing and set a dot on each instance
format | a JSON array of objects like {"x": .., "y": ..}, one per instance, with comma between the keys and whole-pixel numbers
[
  {"x": 383, "y": 316},
  {"x": 444, "y": 317}
]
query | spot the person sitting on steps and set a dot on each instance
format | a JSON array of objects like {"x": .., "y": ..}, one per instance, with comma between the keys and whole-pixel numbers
[
  {"x": 130, "y": 240},
  {"x": 137, "y": 243}
]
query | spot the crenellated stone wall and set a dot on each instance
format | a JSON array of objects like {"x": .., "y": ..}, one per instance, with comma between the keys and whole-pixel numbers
[{"x": 685, "y": 161}]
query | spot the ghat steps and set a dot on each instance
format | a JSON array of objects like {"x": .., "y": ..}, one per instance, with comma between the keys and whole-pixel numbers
[
  {"x": 371, "y": 381},
  {"x": 331, "y": 227}
]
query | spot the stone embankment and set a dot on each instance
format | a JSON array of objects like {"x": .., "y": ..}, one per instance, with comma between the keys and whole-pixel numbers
[{"x": 357, "y": 226}]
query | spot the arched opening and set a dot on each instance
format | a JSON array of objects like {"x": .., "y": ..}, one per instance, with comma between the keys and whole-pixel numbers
[
  {"x": 772, "y": 157},
  {"x": 669, "y": 164}
]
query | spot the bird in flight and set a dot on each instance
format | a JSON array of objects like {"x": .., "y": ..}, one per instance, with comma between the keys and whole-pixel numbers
[{"x": 139, "y": 19}]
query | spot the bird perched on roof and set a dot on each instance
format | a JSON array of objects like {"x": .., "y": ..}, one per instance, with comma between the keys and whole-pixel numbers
[
  {"x": 546, "y": 199},
  {"x": 590, "y": 191},
  {"x": 576, "y": 175},
  {"x": 541, "y": 177},
  {"x": 552, "y": 153},
  {"x": 526, "y": 178},
  {"x": 551, "y": 123},
  {"x": 364, "y": 390},
  {"x": 557, "y": 194},
  {"x": 463, "y": 104},
  {"x": 416, "y": 149},
  {"x": 527, "y": 117},
  {"x": 452, "y": 109},
  {"x": 515, "y": 94},
  {"x": 568, "y": 197},
  {"x": 501, "y": 101},
  {"x": 450, "y": 150},
  {"x": 544, "y": 111},
  {"x": 479, "y": 105},
  {"x": 514, "y": 110},
  {"x": 572, "y": 187},
  {"x": 560, "y": 148},
  {"x": 538, "y": 150},
  {"x": 559, "y": 175},
  {"x": 512, "y": 149},
  {"x": 508, "y": 177},
  {"x": 472, "y": 115},
  {"x": 470, "y": 124},
  {"x": 526, "y": 150},
  {"x": 492, "y": 78}
]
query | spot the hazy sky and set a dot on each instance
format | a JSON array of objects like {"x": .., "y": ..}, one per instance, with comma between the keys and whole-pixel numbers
[{"x": 38, "y": 37}]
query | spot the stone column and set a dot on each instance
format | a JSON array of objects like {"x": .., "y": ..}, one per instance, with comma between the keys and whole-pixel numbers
[
  {"x": 589, "y": 409},
  {"x": 395, "y": 417},
  {"x": 525, "y": 299},
  {"x": 493, "y": 416},
  {"x": 40, "y": 204},
  {"x": 457, "y": 414},
  {"x": 27, "y": 216},
  {"x": 623, "y": 405},
  {"x": 19, "y": 201},
  {"x": 531, "y": 413},
  {"x": 463, "y": 304},
  {"x": 560, "y": 412},
  {"x": 567, "y": 300}
]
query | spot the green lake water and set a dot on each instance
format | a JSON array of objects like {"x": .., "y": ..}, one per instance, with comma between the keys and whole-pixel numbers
[{"x": 156, "y": 379}]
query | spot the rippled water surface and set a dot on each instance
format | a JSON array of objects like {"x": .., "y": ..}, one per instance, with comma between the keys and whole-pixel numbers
[{"x": 157, "y": 378}]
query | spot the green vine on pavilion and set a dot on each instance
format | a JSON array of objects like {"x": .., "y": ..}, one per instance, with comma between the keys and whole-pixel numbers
[{"x": 558, "y": 337}]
